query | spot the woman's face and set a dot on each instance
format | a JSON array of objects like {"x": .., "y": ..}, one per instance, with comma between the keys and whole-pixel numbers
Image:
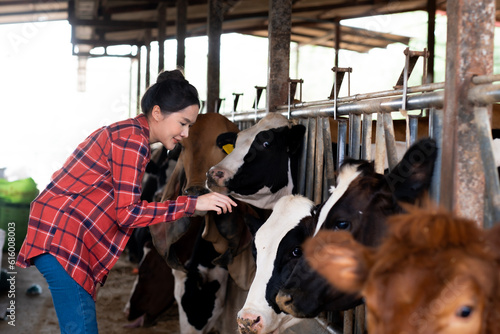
[{"x": 170, "y": 129}]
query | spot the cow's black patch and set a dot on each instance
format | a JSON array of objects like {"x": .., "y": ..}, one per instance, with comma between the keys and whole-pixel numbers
[
  {"x": 266, "y": 162},
  {"x": 288, "y": 254}
]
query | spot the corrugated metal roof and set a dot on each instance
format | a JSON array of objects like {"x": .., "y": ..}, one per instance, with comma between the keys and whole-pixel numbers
[{"x": 114, "y": 22}]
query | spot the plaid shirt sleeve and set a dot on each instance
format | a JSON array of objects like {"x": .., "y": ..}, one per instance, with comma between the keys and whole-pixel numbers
[{"x": 129, "y": 157}]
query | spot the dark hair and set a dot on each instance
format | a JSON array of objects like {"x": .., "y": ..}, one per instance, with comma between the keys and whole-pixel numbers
[{"x": 171, "y": 92}]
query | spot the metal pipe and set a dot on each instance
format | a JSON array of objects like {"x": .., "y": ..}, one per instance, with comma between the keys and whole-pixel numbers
[
  {"x": 366, "y": 137},
  {"x": 341, "y": 141},
  {"x": 425, "y": 100},
  {"x": 318, "y": 164},
  {"x": 365, "y": 96},
  {"x": 354, "y": 135},
  {"x": 390, "y": 141},
  {"x": 303, "y": 159},
  {"x": 329, "y": 179},
  {"x": 483, "y": 128},
  {"x": 436, "y": 133},
  {"x": 310, "y": 158}
]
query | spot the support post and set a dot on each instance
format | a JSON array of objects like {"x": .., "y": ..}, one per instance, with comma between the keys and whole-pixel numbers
[
  {"x": 215, "y": 17},
  {"x": 280, "y": 26},
  {"x": 148, "y": 58},
  {"x": 469, "y": 52},
  {"x": 162, "y": 32},
  {"x": 431, "y": 38},
  {"x": 181, "y": 24}
]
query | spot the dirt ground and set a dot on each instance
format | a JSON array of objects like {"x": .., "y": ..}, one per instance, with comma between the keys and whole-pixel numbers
[{"x": 36, "y": 314}]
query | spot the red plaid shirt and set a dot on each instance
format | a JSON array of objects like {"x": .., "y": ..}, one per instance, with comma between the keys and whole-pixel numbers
[{"x": 86, "y": 214}]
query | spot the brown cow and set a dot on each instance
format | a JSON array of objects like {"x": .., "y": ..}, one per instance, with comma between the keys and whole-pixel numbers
[
  {"x": 208, "y": 298},
  {"x": 435, "y": 273}
]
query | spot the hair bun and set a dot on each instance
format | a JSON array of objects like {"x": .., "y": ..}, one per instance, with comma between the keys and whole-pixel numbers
[{"x": 171, "y": 75}]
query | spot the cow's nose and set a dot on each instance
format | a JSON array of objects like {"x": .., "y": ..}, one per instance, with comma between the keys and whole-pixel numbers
[
  {"x": 196, "y": 191},
  {"x": 249, "y": 324},
  {"x": 285, "y": 302},
  {"x": 216, "y": 173}
]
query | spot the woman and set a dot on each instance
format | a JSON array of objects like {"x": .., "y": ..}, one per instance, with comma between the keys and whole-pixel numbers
[{"x": 80, "y": 224}]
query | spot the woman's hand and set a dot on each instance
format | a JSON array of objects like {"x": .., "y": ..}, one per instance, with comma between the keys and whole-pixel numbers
[{"x": 215, "y": 202}]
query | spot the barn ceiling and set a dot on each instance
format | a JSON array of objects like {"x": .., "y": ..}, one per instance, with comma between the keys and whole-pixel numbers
[{"x": 102, "y": 23}]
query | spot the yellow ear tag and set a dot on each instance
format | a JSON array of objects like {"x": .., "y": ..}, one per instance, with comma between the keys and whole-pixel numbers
[{"x": 228, "y": 148}]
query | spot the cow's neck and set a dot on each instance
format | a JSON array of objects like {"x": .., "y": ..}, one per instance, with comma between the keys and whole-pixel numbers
[{"x": 264, "y": 198}]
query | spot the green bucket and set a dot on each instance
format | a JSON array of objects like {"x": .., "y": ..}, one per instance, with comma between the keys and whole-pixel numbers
[{"x": 15, "y": 199}]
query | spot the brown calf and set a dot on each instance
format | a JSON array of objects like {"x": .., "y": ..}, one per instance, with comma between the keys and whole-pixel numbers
[{"x": 434, "y": 273}]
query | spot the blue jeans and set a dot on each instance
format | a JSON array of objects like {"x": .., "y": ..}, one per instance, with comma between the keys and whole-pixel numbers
[{"x": 74, "y": 306}]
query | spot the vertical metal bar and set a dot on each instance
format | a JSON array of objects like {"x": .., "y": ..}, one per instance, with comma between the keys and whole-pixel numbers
[
  {"x": 138, "y": 96},
  {"x": 348, "y": 321},
  {"x": 354, "y": 135},
  {"x": 492, "y": 196},
  {"x": 319, "y": 158},
  {"x": 436, "y": 133},
  {"x": 469, "y": 52},
  {"x": 303, "y": 159},
  {"x": 413, "y": 126},
  {"x": 341, "y": 141},
  {"x": 329, "y": 174},
  {"x": 359, "y": 315},
  {"x": 148, "y": 58},
  {"x": 380, "y": 147},
  {"x": 279, "y": 31},
  {"x": 310, "y": 158},
  {"x": 366, "y": 137},
  {"x": 390, "y": 142}
]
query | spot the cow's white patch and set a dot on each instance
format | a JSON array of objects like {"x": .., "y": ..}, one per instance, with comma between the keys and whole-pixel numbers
[
  {"x": 287, "y": 214},
  {"x": 264, "y": 198},
  {"x": 346, "y": 176}
]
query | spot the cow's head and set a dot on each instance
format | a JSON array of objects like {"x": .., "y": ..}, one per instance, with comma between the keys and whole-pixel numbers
[
  {"x": 360, "y": 205},
  {"x": 259, "y": 169},
  {"x": 202, "y": 149},
  {"x": 434, "y": 273},
  {"x": 278, "y": 247}
]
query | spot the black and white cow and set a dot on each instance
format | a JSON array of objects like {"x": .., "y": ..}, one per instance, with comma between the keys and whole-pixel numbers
[
  {"x": 277, "y": 245},
  {"x": 262, "y": 167},
  {"x": 360, "y": 204}
]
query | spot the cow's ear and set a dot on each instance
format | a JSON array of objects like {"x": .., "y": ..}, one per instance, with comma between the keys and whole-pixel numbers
[
  {"x": 336, "y": 256},
  {"x": 296, "y": 134},
  {"x": 413, "y": 174},
  {"x": 226, "y": 141}
]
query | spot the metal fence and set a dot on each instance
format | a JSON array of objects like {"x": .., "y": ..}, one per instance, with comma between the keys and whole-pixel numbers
[{"x": 354, "y": 116}]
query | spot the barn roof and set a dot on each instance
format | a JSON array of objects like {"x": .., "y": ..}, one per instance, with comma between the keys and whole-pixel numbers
[{"x": 133, "y": 22}]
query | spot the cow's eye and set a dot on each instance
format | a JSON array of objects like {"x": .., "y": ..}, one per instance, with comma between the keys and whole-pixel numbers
[
  {"x": 342, "y": 225},
  {"x": 464, "y": 311},
  {"x": 297, "y": 252},
  {"x": 266, "y": 144}
]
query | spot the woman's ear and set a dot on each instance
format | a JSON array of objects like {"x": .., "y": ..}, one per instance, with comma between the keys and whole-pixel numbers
[{"x": 156, "y": 113}]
